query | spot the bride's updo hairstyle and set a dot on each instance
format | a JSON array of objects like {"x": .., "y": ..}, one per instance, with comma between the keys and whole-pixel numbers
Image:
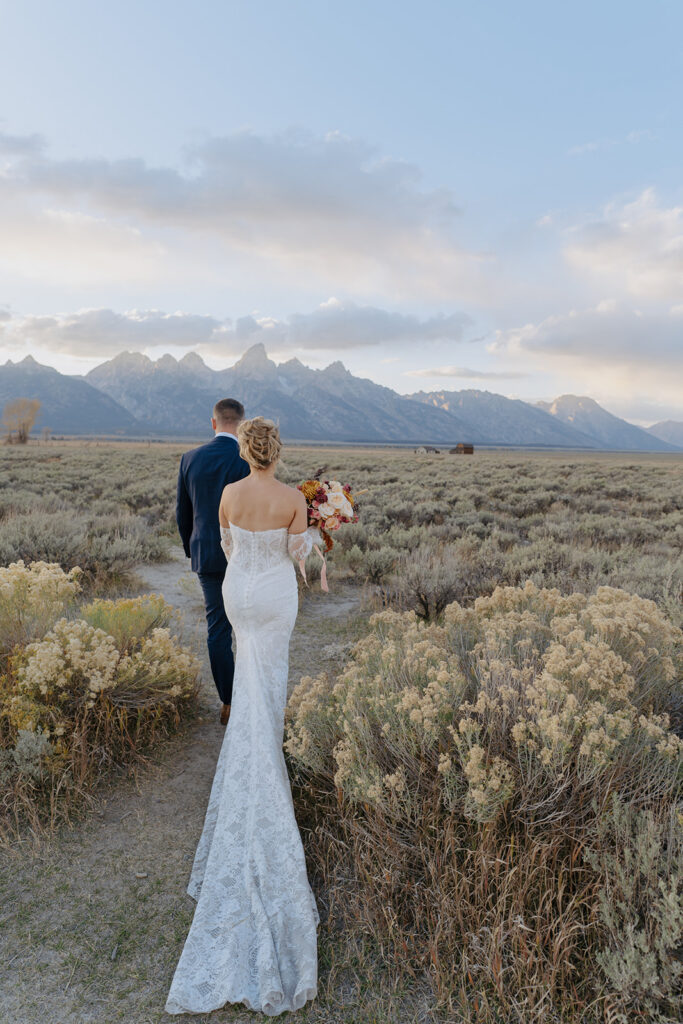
[{"x": 259, "y": 441}]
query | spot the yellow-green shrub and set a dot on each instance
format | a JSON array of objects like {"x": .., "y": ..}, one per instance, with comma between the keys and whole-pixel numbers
[
  {"x": 460, "y": 770},
  {"x": 128, "y": 619},
  {"x": 93, "y": 700},
  {"x": 32, "y": 598}
]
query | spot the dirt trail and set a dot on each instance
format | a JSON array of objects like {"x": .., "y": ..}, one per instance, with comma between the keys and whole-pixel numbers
[{"x": 93, "y": 921}]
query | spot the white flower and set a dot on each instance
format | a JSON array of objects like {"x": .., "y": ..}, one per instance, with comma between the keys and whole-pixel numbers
[{"x": 339, "y": 502}]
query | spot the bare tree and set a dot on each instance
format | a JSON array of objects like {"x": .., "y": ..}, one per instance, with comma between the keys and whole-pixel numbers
[
  {"x": 19, "y": 416},
  {"x": 46, "y": 433}
]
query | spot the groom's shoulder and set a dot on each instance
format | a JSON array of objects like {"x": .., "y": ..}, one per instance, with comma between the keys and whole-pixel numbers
[
  {"x": 214, "y": 449},
  {"x": 194, "y": 455}
]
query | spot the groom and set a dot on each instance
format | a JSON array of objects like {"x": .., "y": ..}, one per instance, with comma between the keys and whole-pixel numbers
[{"x": 203, "y": 474}]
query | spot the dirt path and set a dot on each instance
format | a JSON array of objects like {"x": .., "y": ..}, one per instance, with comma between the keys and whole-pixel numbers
[{"x": 93, "y": 921}]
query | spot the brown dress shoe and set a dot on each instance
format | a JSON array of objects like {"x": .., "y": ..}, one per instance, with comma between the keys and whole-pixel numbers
[{"x": 225, "y": 714}]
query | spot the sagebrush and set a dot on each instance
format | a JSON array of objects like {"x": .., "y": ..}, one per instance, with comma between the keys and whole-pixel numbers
[{"x": 495, "y": 800}]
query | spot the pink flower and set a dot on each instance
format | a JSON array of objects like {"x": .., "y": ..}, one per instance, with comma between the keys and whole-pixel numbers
[{"x": 332, "y": 523}]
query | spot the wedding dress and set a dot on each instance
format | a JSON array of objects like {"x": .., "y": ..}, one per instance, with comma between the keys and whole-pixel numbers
[{"x": 253, "y": 937}]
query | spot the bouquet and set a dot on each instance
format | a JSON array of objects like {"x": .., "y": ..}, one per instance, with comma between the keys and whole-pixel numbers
[{"x": 330, "y": 504}]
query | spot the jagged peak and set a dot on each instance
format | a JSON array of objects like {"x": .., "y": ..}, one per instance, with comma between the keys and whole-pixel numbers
[
  {"x": 255, "y": 358},
  {"x": 193, "y": 360},
  {"x": 129, "y": 359},
  {"x": 296, "y": 369},
  {"x": 166, "y": 362},
  {"x": 579, "y": 400},
  {"x": 29, "y": 362},
  {"x": 337, "y": 369}
]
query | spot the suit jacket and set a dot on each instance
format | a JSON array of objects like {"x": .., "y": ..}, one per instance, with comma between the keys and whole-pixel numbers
[{"x": 203, "y": 474}]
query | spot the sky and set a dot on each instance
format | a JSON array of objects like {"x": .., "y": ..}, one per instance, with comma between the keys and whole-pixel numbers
[{"x": 443, "y": 195}]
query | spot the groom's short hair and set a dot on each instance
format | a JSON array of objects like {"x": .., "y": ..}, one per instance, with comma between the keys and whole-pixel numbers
[{"x": 228, "y": 410}]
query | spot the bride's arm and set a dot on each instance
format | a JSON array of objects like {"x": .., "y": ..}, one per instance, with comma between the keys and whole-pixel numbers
[
  {"x": 226, "y": 541},
  {"x": 299, "y": 540},
  {"x": 224, "y": 523}
]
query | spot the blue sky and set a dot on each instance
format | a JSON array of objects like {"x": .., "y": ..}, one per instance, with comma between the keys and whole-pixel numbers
[{"x": 443, "y": 195}]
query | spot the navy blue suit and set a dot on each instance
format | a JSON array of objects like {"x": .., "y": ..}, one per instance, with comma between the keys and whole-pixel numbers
[{"x": 203, "y": 474}]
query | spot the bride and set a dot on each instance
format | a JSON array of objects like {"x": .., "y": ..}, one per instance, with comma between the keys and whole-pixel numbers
[{"x": 253, "y": 938}]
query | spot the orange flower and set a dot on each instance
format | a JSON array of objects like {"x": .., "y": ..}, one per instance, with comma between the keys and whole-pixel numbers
[{"x": 309, "y": 489}]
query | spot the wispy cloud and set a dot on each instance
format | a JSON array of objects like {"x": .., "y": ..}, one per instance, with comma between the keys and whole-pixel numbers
[
  {"x": 635, "y": 246},
  {"x": 21, "y": 145},
  {"x": 464, "y": 373},
  {"x": 630, "y": 138},
  {"x": 330, "y": 206}
]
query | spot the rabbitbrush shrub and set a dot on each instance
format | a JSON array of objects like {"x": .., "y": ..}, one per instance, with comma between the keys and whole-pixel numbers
[
  {"x": 494, "y": 799},
  {"x": 86, "y": 695},
  {"x": 32, "y": 598}
]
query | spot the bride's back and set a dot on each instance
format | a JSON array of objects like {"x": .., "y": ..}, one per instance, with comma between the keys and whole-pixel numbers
[{"x": 259, "y": 504}]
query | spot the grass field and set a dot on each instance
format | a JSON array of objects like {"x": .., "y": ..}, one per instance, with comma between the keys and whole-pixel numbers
[
  {"x": 568, "y": 520},
  {"x": 484, "y": 747}
]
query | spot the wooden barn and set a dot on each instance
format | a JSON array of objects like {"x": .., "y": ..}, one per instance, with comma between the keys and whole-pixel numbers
[{"x": 462, "y": 449}]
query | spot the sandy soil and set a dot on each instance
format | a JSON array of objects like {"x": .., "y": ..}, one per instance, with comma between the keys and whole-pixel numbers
[{"x": 93, "y": 920}]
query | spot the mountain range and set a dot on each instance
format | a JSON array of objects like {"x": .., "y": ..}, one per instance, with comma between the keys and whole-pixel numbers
[{"x": 132, "y": 395}]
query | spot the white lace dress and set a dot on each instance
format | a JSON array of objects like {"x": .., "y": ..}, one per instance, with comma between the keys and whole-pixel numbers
[{"x": 253, "y": 937}]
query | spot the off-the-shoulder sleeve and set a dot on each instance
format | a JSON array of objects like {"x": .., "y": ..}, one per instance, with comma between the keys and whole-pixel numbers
[
  {"x": 226, "y": 541},
  {"x": 299, "y": 545}
]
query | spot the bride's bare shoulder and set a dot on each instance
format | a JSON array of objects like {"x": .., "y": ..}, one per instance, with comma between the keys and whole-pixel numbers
[
  {"x": 232, "y": 488},
  {"x": 293, "y": 494}
]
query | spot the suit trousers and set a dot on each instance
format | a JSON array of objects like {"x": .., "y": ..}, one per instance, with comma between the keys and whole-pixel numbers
[{"x": 219, "y": 637}]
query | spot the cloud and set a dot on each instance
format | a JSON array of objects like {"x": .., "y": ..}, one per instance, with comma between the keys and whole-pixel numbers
[
  {"x": 333, "y": 325},
  {"x": 21, "y": 145},
  {"x": 338, "y": 325},
  {"x": 102, "y": 332},
  {"x": 239, "y": 181},
  {"x": 331, "y": 206},
  {"x": 607, "y": 334},
  {"x": 635, "y": 247},
  {"x": 618, "y": 355},
  {"x": 64, "y": 247},
  {"x": 464, "y": 373},
  {"x": 630, "y": 138}
]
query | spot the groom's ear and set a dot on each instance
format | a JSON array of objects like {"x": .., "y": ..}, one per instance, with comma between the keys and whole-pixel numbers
[{"x": 213, "y": 423}]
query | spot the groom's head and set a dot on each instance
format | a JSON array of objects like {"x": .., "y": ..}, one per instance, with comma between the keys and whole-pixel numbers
[{"x": 228, "y": 413}]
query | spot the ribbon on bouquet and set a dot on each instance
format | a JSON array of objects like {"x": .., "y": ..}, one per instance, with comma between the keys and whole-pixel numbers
[{"x": 323, "y": 571}]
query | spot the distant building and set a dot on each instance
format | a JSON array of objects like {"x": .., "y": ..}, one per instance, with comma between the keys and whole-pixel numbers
[{"x": 462, "y": 449}]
